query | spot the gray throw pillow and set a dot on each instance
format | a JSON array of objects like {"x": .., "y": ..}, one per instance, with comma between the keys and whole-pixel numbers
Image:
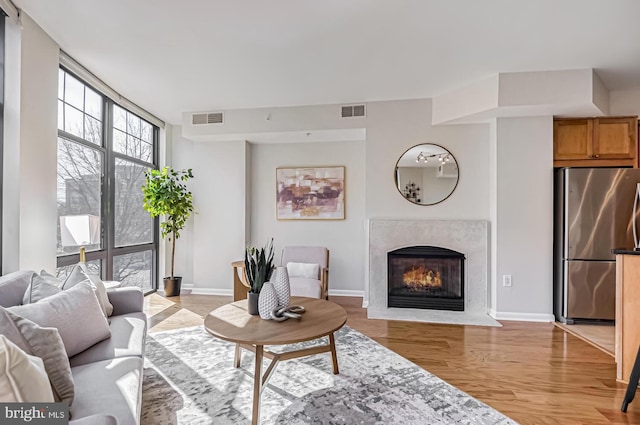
[
  {"x": 44, "y": 343},
  {"x": 80, "y": 273},
  {"x": 39, "y": 289},
  {"x": 52, "y": 279},
  {"x": 74, "y": 312}
]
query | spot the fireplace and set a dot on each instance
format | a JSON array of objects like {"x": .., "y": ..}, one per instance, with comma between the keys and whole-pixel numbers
[{"x": 426, "y": 277}]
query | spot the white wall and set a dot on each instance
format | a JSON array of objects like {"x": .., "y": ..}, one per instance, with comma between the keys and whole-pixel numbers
[
  {"x": 344, "y": 238},
  {"x": 38, "y": 148},
  {"x": 625, "y": 102},
  {"x": 395, "y": 126},
  {"x": 523, "y": 220},
  {"x": 219, "y": 199},
  {"x": 391, "y": 128}
]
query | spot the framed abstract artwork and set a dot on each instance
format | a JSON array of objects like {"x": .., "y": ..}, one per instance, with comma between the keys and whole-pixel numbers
[{"x": 310, "y": 193}]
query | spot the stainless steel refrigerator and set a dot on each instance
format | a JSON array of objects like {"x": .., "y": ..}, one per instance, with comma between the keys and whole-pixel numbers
[{"x": 594, "y": 212}]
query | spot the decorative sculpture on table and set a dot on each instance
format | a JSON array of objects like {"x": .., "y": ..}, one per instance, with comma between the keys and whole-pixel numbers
[{"x": 282, "y": 286}]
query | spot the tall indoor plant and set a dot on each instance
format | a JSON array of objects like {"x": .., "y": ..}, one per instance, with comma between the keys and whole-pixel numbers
[
  {"x": 165, "y": 193},
  {"x": 258, "y": 266}
]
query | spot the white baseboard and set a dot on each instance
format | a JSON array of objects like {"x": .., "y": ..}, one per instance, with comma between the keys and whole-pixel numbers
[
  {"x": 229, "y": 292},
  {"x": 208, "y": 291},
  {"x": 345, "y": 293},
  {"x": 522, "y": 317}
]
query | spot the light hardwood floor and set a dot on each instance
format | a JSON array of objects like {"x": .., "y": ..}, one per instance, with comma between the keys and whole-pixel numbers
[{"x": 535, "y": 373}]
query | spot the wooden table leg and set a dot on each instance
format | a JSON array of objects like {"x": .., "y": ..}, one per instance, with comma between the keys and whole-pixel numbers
[
  {"x": 238, "y": 357},
  {"x": 334, "y": 356},
  {"x": 257, "y": 385}
]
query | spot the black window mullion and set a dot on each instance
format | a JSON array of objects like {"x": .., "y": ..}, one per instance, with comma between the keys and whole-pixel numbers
[
  {"x": 73, "y": 138},
  {"x": 131, "y": 249},
  {"x": 134, "y": 160},
  {"x": 109, "y": 190}
]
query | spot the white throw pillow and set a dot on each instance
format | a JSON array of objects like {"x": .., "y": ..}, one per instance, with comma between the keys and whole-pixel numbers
[
  {"x": 74, "y": 312},
  {"x": 38, "y": 289},
  {"x": 306, "y": 270},
  {"x": 80, "y": 273},
  {"x": 23, "y": 378}
]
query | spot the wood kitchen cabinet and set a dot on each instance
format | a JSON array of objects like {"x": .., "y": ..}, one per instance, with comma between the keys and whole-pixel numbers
[{"x": 595, "y": 142}]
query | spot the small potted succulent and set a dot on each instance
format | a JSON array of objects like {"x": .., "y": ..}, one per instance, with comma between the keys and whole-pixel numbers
[{"x": 258, "y": 265}]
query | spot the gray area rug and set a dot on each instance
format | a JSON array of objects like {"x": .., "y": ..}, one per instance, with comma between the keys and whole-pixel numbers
[{"x": 189, "y": 379}]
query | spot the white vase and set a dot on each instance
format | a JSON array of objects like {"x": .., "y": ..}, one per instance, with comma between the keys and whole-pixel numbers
[
  {"x": 267, "y": 301},
  {"x": 282, "y": 286}
]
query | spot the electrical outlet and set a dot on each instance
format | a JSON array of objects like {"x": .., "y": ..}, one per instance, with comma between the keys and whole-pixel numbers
[{"x": 506, "y": 280}]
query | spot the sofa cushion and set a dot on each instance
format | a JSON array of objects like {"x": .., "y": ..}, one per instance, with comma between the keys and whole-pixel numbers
[
  {"x": 81, "y": 273},
  {"x": 128, "y": 333},
  {"x": 304, "y": 287},
  {"x": 38, "y": 289},
  {"x": 44, "y": 343},
  {"x": 98, "y": 419},
  {"x": 23, "y": 378},
  {"x": 306, "y": 270},
  {"x": 125, "y": 300},
  {"x": 74, "y": 312},
  {"x": 13, "y": 286},
  {"x": 110, "y": 387}
]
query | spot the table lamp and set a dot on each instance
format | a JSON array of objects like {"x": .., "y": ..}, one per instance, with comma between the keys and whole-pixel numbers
[{"x": 80, "y": 230}]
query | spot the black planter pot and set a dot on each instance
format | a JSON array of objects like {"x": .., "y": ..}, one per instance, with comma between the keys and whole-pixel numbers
[
  {"x": 172, "y": 286},
  {"x": 252, "y": 303}
]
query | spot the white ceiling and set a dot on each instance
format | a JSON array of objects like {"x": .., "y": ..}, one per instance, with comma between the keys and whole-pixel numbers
[{"x": 171, "y": 56}]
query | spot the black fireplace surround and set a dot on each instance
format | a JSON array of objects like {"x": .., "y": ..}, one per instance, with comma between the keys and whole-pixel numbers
[{"x": 426, "y": 277}]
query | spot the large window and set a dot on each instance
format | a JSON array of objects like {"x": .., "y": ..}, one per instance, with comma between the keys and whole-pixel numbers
[{"x": 103, "y": 153}]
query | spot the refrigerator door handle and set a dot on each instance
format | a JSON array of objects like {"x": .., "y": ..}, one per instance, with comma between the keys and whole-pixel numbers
[{"x": 634, "y": 219}]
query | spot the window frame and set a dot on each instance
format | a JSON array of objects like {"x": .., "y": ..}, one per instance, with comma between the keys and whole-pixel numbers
[
  {"x": 2, "y": 76},
  {"x": 108, "y": 249}
]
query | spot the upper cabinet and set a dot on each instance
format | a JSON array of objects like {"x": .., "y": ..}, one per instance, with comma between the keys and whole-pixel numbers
[{"x": 595, "y": 142}]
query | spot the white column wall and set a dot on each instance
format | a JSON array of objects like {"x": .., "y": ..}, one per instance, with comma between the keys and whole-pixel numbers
[
  {"x": 523, "y": 218},
  {"x": 11, "y": 149},
  {"x": 38, "y": 148},
  {"x": 220, "y": 203}
]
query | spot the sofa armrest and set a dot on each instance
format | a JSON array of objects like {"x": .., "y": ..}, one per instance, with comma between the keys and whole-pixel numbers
[
  {"x": 95, "y": 420},
  {"x": 126, "y": 300}
]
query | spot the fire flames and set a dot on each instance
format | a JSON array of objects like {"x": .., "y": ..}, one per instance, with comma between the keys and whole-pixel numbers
[{"x": 420, "y": 277}]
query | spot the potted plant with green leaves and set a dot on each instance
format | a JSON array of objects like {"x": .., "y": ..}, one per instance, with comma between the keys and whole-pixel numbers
[
  {"x": 166, "y": 194},
  {"x": 258, "y": 265}
]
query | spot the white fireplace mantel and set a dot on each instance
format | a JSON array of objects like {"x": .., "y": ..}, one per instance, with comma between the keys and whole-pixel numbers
[{"x": 470, "y": 237}]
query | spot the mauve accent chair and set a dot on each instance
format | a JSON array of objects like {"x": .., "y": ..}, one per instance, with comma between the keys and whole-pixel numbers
[{"x": 317, "y": 287}]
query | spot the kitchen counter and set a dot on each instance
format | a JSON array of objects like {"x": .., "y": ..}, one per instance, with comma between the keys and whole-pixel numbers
[
  {"x": 627, "y": 310},
  {"x": 625, "y": 251}
]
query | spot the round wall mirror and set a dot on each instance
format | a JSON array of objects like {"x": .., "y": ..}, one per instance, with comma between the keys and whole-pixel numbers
[{"x": 426, "y": 174}]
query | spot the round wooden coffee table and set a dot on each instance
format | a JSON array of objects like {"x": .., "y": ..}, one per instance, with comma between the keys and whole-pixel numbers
[{"x": 232, "y": 323}]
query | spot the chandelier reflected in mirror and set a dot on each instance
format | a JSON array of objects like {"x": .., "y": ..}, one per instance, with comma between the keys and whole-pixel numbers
[{"x": 442, "y": 157}]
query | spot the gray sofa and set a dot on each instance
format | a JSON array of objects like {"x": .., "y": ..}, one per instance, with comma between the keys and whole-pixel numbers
[{"x": 108, "y": 375}]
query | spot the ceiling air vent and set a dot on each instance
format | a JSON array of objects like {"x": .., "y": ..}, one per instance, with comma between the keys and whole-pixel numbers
[
  {"x": 353, "y": 111},
  {"x": 210, "y": 118}
]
